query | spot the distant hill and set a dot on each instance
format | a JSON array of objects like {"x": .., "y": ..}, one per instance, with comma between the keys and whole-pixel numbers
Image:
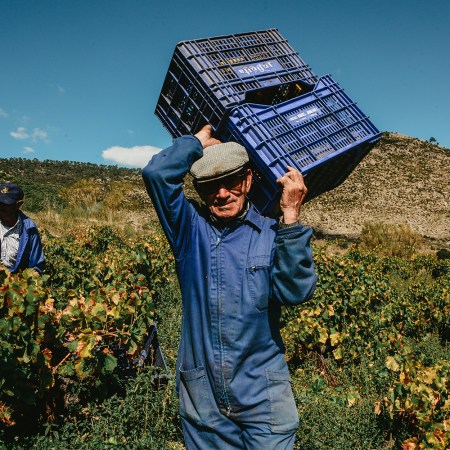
[
  {"x": 403, "y": 180},
  {"x": 42, "y": 181}
]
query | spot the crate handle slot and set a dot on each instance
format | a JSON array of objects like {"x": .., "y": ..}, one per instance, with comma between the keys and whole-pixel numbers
[{"x": 272, "y": 95}]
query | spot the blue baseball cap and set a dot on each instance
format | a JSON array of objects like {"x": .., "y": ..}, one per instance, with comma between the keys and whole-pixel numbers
[{"x": 10, "y": 193}]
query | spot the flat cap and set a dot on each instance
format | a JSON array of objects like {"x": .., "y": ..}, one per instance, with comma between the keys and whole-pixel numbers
[
  {"x": 10, "y": 193},
  {"x": 219, "y": 161}
]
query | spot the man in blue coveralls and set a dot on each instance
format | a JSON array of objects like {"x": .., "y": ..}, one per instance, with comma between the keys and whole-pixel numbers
[{"x": 236, "y": 270}]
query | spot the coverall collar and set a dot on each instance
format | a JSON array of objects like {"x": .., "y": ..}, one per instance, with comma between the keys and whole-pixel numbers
[{"x": 248, "y": 215}]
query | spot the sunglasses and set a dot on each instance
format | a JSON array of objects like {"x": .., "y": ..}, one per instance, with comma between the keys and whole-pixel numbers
[{"x": 232, "y": 183}]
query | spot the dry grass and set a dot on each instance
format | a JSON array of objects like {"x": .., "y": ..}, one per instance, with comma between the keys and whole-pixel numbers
[
  {"x": 390, "y": 240},
  {"x": 127, "y": 223}
]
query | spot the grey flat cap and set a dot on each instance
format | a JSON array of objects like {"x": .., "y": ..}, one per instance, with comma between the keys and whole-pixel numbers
[{"x": 219, "y": 161}]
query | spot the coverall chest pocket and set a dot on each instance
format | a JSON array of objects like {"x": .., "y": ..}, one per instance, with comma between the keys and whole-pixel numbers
[{"x": 258, "y": 276}]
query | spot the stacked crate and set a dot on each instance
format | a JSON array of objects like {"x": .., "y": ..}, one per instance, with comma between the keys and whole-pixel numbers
[{"x": 253, "y": 88}]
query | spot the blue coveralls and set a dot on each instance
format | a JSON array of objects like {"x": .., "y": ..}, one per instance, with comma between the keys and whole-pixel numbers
[{"x": 232, "y": 377}]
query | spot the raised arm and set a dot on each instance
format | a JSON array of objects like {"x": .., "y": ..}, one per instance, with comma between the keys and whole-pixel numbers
[
  {"x": 163, "y": 177},
  {"x": 293, "y": 275}
]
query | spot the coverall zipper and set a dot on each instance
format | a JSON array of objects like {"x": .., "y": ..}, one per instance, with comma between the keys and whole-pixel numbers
[{"x": 224, "y": 395}]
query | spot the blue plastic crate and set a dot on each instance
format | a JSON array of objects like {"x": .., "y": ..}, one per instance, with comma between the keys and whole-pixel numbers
[
  {"x": 208, "y": 77},
  {"x": 321, "y": 133}
]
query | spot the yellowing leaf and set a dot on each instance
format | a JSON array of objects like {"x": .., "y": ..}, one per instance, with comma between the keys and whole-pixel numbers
[
  {"x": 392, "y": 364},
  {"x": 87, "y": 347},
  {"x": 98, "y": 308},
  {"x": 353, "y": 398},
  {"x": 335, "y": 338},
  {"x": 378, "y": 408},
  {"x": 79, "y": 368},
  {"x": 116, "y": 298},
  {"x": 323, "y": 336},
  {"x": 337, "y": 353},
  {"x": 86, "y": 352},
  {"x": 429, "y": 376}
]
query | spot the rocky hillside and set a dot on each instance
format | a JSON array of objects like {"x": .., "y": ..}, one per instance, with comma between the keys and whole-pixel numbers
[{"x": 402, "y": 181}]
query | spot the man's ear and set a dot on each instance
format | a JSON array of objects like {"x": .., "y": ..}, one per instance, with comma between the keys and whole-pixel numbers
[
  {"x": 248, "y": 180},
  {"x": 19, "y": 204}
]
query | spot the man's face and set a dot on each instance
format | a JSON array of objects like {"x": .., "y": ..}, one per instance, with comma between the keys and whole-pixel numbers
[
  {"x": 9, "y": 213},
  {"x": 226, "y": 198}
]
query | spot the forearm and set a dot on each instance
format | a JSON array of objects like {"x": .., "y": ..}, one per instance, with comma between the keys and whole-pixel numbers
[
  {"x": 163, "y": 178},
  {"x": 293, "y": 277},
  {"x": 165, "y": 171},
  {"x": 39, "y": 266}
]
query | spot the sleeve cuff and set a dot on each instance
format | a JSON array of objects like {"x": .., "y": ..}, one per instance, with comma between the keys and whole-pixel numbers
[{"x": 283, "y": 225}]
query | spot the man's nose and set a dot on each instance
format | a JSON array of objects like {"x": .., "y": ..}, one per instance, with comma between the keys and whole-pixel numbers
[{"x": 223, "y": 191}]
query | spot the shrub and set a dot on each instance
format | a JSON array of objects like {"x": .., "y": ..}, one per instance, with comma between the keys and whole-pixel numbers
[
  {"x": 419, "y": 401},
  {"x": 364, "y": 344},
  {"x": 85, "y": 193},
  {"x": 358, "y": 312},
  {"x": 70, "y": 326},
  {"x": 390, "y": 239}
]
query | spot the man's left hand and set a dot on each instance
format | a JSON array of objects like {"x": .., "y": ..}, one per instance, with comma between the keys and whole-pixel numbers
[
  {"x": 293, "y": 193},
  {"x": 205, "y": 137}
]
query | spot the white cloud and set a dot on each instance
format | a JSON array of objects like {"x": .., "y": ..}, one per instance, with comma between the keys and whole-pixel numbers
[
  {"x": 20, "y": 133},
  {"x": 39, "y": 134},
  {"x": 36, "y": 135},
  {"x": 28, "y": 150},
  {"x": 3, "y": 113},
  {"x": 130, "y": 156}
]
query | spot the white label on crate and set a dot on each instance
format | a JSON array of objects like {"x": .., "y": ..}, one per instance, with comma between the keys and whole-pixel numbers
[
  {"x": 305, "y": 115},
  {"x": 247, "y": 70}
]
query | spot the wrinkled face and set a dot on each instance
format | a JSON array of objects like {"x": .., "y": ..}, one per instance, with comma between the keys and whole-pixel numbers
[{"x": 225, "y": 198}]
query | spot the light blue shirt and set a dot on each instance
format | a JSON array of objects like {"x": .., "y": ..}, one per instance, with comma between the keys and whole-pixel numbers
[{"x": 9, "y": 243}]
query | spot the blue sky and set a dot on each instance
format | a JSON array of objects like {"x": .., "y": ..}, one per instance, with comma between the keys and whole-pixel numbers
[{"x": 81, "y": 77}]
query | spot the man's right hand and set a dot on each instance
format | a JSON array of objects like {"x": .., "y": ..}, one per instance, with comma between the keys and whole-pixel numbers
[
  {"x": 293, "y": 193},
  {"x": 205, "y": 138}
]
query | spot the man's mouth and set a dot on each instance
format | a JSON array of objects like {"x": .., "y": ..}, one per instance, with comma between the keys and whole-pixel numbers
[{"x": 219, "y": 204}]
